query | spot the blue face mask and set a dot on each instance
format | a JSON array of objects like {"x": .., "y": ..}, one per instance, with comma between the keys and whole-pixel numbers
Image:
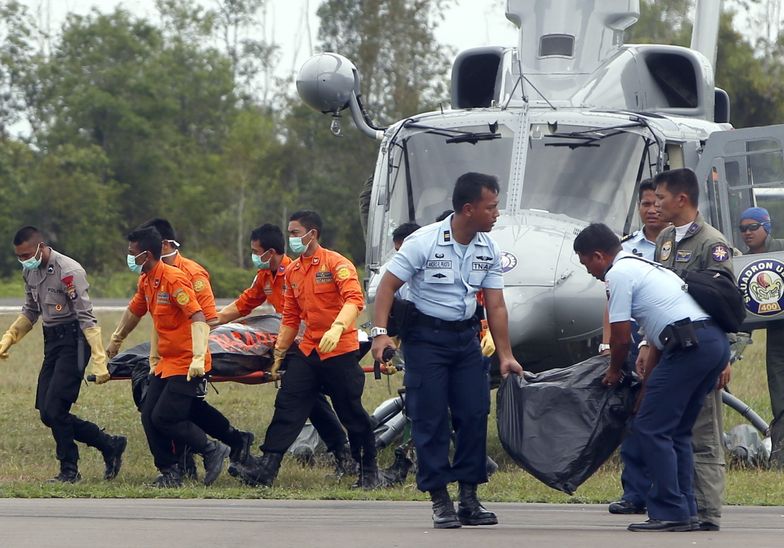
[
  {"x": 258, "y": 263},
  {"x": 32, "y": 263},
  {"x": 132, "y": 266},
  {"x": 296, "y": 245}
]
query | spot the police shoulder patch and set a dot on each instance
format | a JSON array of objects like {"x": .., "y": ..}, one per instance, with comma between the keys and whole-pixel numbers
[
  {"x": 720, "y": 253},
  {"x": 182, "y": 297}
]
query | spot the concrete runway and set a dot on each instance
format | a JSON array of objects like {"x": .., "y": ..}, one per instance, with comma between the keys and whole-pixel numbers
[{"x": 89, "y": 523}]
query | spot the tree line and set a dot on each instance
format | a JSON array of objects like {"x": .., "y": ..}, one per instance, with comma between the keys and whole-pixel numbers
[{"x": 119, "y": 118}]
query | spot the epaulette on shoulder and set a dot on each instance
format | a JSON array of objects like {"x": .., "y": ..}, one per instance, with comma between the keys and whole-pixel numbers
[{"x": 627, "y": 237}]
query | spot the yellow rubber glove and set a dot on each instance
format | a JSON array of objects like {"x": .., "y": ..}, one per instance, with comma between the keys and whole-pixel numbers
[
  {"x": 286, "y": 336},
  {"x": 97, "y": 365},
  {"x": 487, "y": 344},
  {"x": 200, "y": 334},
  {"x": 128, "y": 323},
  {"x": 228, "y": 313},
  {"x": 154, "y": 356},
  {"x": 345, "y": 317},
  {"x": 18, "y": 329}
]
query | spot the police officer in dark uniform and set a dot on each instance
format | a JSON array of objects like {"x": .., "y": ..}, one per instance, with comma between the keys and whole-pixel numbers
[
  {"x": 692, "y": 244},
  {"x": 56, "y": 290},
  {"x": 445, "y": 264}
]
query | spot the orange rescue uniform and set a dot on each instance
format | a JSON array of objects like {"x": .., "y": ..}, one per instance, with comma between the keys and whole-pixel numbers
[
  {"x": 167, "y": 294},
  {"x": 200, "y": 280},
  {"x": 317, "y": 287},
  {"x": 267, "y": 286}
]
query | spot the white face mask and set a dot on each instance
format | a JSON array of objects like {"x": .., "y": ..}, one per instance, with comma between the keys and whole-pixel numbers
[{"x": 174, "y": 244}]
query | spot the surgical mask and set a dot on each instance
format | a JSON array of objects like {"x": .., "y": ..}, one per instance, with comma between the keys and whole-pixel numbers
[
  {"x": 175, "y": 244},
  {"x": 32, "y": 263},
  {"x": 258, "y": 263},
  {"x": 132, "y": 266},
  {"x": 296, "y": 245}
]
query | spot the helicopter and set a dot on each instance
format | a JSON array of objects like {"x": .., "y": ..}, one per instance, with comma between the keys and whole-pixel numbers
[{"x": 570, "y": 121}]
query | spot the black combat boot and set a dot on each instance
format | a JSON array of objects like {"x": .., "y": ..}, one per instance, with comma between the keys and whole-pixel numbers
[
  {"x": 368, "y": 477},
  {"x": 241, "y": 450},
  {"x": 188, "y": 468},
  {"x": 112, "y": 456},
  {"x": 444, "y": 516},
  {"x": 169, "y": 477},
  {"x": 261, "y": 471},
  {"x": 214, "y": 455},
  {"x": 470, "y": 510},
  {"x": 344, "y": 464},
  {"x": 69, "y": 473}
]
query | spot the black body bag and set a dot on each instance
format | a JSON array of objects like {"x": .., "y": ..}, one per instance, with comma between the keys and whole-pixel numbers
[
  {"x": 715, "y": 291},
  {"x": 563, "y": 424}
]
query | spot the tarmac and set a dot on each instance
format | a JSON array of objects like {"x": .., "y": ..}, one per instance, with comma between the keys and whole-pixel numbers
[{"x": 117, "y": 523}]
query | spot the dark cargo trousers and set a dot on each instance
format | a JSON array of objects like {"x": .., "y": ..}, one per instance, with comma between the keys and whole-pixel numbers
[
  {"x": 674, "y": 396},
  {"x": 444, "y": 374},
  {"x": 775, "y": 369},
  {"x": 166, "y": 418},
  {"x": 306, "y": 377},
  {"x": 66, "y": 354}
]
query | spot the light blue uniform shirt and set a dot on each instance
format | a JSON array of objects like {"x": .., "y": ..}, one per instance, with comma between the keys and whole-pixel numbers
[
  {"x": 654, "y": 296},
  {"x": 443, "y": 281},
  {"x": 637, "y": 244}
]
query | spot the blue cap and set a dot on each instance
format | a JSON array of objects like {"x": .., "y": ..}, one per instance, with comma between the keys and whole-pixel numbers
[{"x": 759, "y": 214}]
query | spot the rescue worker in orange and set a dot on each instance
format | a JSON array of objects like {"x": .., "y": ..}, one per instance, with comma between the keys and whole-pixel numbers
[
  {"x": 267, "y": 254},
  {"x": 179, "y": 359},
  {"x": 322, "y": 290},
  {"x": 212, "y": 421}
]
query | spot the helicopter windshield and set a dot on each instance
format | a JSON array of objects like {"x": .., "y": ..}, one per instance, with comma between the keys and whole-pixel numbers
[
  {"x": 421, "y": 186},
  {"x": 591, "y": 178}
]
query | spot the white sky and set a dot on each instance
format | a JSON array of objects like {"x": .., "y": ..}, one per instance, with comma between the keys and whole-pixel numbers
[{"x": 469, "y": 23}]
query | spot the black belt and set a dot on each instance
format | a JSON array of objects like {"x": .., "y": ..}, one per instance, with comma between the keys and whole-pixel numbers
[
  {"x": 438, "y": 323},
  {"x": 699, "y": 324},
  {"x": 62, "y": 329}
]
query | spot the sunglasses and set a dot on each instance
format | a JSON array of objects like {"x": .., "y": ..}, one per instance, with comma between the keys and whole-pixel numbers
[{"x": 750, "y": 227}]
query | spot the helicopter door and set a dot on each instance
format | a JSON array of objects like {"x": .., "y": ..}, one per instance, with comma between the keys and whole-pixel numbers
[{"x": 744, "y": 168}]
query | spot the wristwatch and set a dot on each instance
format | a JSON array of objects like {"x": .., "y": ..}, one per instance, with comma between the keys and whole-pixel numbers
[
  {"x": 376, "y": 331},
  {"x": 603, "y": 347}
]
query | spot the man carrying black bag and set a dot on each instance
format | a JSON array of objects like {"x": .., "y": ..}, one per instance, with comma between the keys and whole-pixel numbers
[{"x": 687, "y": 354}]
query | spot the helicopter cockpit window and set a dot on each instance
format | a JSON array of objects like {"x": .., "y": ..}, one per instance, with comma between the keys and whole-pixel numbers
[
  {"x": 428, "y": 163},
  {"x": 754, "y": 170},
  {"x": 586, "y": 175}
]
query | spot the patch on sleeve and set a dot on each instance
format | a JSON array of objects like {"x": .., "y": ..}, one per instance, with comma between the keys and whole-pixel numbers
[
  {"x": 70, "y": 288},
  {"x": 720, "y": 253},
  {"x": 343, "y": 273},
  {"x": 181, "y": 296},
  {"x": 199, "y": 285}
]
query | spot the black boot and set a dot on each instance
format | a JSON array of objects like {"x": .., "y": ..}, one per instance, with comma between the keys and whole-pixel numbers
[
  {"x": 368, "y": 477},
  {"x": 214, "y": 455},
  {"x": 169, "y": 477},
  {"x": 470, "y": 510},
  {"x": 241, "y": 450},
  {"x": 188, "y": 468},
  {"x": 112, "y": 456},
  {"x": 344, "y": 464},
  {"x": 444, "y": 516},
  {"x": 69, "y": 473},
  {"x": 262, "y": 471}
]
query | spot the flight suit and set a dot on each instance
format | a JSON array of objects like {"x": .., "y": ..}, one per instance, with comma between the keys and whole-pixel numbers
[
  {"x": 168, "y": 295},
  {"x": 270, "y": 287},
  {"x": 317, "y": 287},
  {"x": 702, "y": 247},
  {"x": 774, "y": 364},
  {"x": 57, "y": 292}
]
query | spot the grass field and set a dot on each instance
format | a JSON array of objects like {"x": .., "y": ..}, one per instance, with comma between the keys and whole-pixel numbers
[{"x": 27, "y": 449}]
